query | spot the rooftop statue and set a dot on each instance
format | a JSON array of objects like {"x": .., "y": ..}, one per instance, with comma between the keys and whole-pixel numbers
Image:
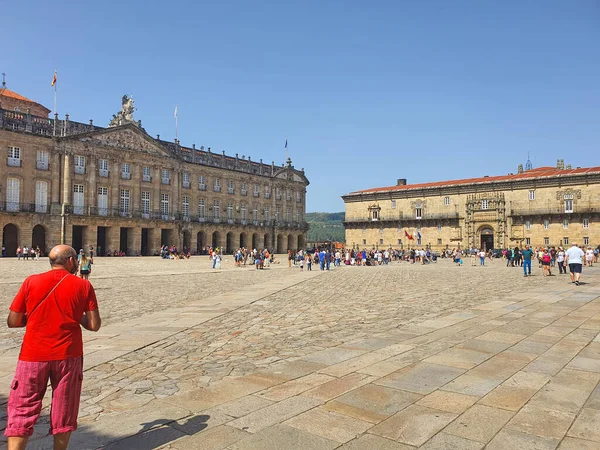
[{"x": 124, "y": 116}]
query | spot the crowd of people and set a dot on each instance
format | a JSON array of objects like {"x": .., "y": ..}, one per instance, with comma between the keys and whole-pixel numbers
[{"x": 26, "y": 253}]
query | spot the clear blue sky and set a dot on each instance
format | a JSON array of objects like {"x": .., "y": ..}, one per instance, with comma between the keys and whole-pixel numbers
[{"x": 365, "y": 91}]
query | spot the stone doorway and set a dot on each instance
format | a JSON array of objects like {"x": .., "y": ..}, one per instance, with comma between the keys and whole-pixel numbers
[
  {"x": 10, "y": 239},
  {"x": 487, "y": 238}
]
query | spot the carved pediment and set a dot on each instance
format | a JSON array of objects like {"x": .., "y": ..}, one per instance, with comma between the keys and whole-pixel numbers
[
  {"x": 125, "y": 138},
  {"x": 290, "y": 175}
]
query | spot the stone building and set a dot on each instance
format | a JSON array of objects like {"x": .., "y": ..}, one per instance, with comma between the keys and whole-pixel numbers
[
  {"x": 541, "y": 206},
  {"x": 117, "y": 188}
]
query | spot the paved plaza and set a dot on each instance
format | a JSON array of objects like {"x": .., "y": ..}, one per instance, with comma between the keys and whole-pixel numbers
[{"x": 394, "y": 357}]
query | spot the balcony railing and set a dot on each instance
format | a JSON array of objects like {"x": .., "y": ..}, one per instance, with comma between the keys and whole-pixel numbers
[
  {"x": 230, "y": 190},
  {"x": 216, "y": 220},
  {"x": 126, "y": 175},
  {"x": 217, "y": 188},
  {"x": 267, "y": 195},
  {"x": 24, "y": 207},
  {"x": 80, "y": 170},
  {"x": 277, "y": 196},
  {"x": 185, "y": 184},
  {"x": 256, "y": 193},
  {"x": 103, "y": 173},
  {"x": 165, "y": 180},
  {"x": 41, "y": 165},
  {"x": 244, "y": 192},
  {"x": 230, "y": 221},
  {"x": 147, "y": 178},
  {"x": 14, "y": 162},
  {"x": 556, "y": 211},
  {"x": 202, "y": 187},
  {"x": 402, "y": 218}
]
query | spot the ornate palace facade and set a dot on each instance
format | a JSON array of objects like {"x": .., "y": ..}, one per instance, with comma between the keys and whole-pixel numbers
[
  {"x": 117, "y": 188},
  {"x": 542, "y": 206}
]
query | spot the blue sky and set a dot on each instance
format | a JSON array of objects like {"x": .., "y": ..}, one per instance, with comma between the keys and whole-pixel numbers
[{"x": 365, "y": 92}]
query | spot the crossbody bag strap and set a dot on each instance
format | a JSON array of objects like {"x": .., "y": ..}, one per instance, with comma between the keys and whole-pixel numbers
[{"x": 47, "y": 295}]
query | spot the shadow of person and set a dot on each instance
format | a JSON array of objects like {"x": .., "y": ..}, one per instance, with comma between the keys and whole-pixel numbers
[{"x": 159, "y": 432}]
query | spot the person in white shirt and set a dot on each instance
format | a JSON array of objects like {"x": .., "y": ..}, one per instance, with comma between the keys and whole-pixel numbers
[
  {"x": 560, "y": 260},
  {"x": 574, "y": 258},
  {"x": 589, "y": 256},
  {"x": 482, "y": 257}
]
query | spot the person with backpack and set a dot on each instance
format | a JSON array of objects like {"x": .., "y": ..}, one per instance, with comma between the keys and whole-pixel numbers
[{"x": 546, "y": 259}]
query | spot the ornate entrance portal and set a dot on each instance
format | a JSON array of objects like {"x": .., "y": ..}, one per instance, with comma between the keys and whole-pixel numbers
[{"x": 487, "y": 238}]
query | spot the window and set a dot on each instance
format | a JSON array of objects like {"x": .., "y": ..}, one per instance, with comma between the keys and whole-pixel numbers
[
  {"x": 446, "y": 201},
  {"x": 546, "y": 241},
  {"x": 566, "y": 224},
  {"x": 202, "y": 182},
  {"x": 201, "y": 210},
  {"x": 546, "y": 224},
  {"x": 124, "y": 202},
  {"x": 165, "y": 177},
  {"x": 277, "y": 213},
  {"x": 267, "y": 191},
  {"x": 79, "y": 164},
  {"x": 484, "y": 204},
  {"x": 374, "y": 214},
  {"x": 185, "y": 206},
  {"x": 14, "y": 157},
  {"x": 364, "y": 242},
  {"x": 243, "y": 214},
  {"x": 297, "y": 217},
  {"x": 381, "y": 230},
  {"x": 146, "y": 174},
  {"x": 164, "y": 205},
  {"x": 586, "y": 241},
  {"x": 439, "y": 241},
  {"x": 231, "y": 187},
  {"x": 381, "y": 241},
  {"x": 528, "y": 241},
  {"x": 126, "y": 171},
  {"x": 217, "y": 185},
  {"x": 41, "y": 197},
  {"x": 78, "y": 199},
  {"x": 298, "y": 196},
  {"x": 528, "y": 224},
  {"x": 216, "y": 211},
  {"x": 288, "y": 195},
  {"x": 419, "y": 212},
  {"x": 41, "y": 161},
  {"x": 586, "y": 223},
  {"x": 393, "y": 204},
  {"x": 267, "y": 213},
  {"x": 255, "y": 215},
  {"x": 288, "y": 214},
  {"x": 566, "y": 240},
  {"x": 364, "y": 230},
  {"x": 102, "y": 200},
  {"x": 531, "y": 194},
  {"x": 399, "y": 241},
  {"x": 256, "y": 191},
  {"x": 244, "y": 188},
  {"x": 568, "y": 205},
  {"x": 277, "y": 193},
  {"x": 439, "y": 227},
  {"x": 146, "y": 203},
  {"x": 185, "y": 180},
  {"x": 230, "y": 212},
  {"x": 103, "y": 168},
  {"x": 13, "y": 194}
]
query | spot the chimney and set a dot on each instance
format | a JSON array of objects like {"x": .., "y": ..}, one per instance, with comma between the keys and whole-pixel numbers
[
  {"x": 520, "y": 168},
  {"x": 92, "y": 122},
  {"x": 401, "y": 182},
  {"x": 560, "y": 164}
]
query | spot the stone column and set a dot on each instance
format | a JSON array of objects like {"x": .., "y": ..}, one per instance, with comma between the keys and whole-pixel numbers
[
  {"x": 136, "y": 177},
  {"x": 154, "y": 240},
  {"x": 134, "y": 241},
  {"x": 113, "y": 236},
  {"x": 115, "y": 177},
  {"x": 67, "y": 173},
  {"x": 54, "y": 166},
  {"x": 90, "y": 237},
  {"x": 90, "y": 188}
]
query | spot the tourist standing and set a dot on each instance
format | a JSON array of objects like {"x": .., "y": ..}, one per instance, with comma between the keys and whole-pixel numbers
[
  {"x": 85, "y": 267},
  {"x": 589, "y": 256},
  {"x": 482, "y": 257},
  {"x": 560, "y": 261},
  {"x": 57, "y": 322},
  {"x": 574, "y": 258},
  {"x": 527, "y": 254}
]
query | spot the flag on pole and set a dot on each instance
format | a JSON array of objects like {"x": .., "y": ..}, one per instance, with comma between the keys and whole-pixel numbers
[
  {"x": 175, "y": 113},
  {"x": 419, "y": 234},
  {"x": 286, "y": 143},
  {"x": 54, "y": 78}
]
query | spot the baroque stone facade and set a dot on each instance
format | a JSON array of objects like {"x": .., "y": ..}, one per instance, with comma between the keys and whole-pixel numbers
[
  {"x": 541, "y": 206},
  {"x": 118, "y": 188}
]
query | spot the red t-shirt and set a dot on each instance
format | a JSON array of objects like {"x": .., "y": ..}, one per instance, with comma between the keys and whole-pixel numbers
[{"x": 53, "y": 331}]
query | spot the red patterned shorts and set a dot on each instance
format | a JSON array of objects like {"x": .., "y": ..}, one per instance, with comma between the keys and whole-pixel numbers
[{"x": 28, "y": 389}]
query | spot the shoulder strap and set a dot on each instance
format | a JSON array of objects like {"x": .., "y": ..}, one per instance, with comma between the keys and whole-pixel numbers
[{"x": 47, "y": 295}]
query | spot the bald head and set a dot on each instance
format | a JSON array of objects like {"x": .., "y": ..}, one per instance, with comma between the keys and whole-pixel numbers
[{"x": 59, "y": 255}]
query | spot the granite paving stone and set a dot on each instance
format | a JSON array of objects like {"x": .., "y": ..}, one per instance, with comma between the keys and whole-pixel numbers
[
  {"x": 479, "y": 423},
  {"x": 587, "y": 425},
  {"x": 421, "y": 378},
  {"x": 542, "y": 422},
  {"x": 281, "y": 437},
  {"x": 372, "y": 442},
  {"x": 329, "y": 424}
]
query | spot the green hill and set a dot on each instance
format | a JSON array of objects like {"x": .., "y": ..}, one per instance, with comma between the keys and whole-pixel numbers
[{"x": 326, "y": 226}]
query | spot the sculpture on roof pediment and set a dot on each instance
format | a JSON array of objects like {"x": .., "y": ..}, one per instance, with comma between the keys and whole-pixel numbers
[{"x": 124, "y": 116}]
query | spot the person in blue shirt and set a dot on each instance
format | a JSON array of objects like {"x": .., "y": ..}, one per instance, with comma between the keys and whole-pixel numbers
[{"x": 322, "y": 259}]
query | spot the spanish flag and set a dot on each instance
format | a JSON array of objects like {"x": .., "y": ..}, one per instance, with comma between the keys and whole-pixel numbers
[{"x": 54, "y": 79}]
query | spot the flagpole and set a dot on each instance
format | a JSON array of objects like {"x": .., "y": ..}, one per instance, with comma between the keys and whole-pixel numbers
[
  {"x": 176, "y": 123},
  {"x": 55, "y": 78}
]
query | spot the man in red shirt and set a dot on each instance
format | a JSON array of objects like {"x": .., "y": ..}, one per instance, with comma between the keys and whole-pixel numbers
[{"x": 52, "y": 306}]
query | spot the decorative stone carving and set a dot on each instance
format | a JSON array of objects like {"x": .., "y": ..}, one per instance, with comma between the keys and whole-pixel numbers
[
  {"x": 560, "y": 195},
  {"x": 124, "y": 116}
]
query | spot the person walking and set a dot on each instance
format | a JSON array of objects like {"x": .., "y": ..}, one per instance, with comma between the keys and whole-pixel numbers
[
  {"x": 574, "y": 258},
  {"x": 560, "y": 261},
  {"x": 482, "y": 257},
  {"x": 527, "y": 254},
  {"x": 52, "y": 306}
]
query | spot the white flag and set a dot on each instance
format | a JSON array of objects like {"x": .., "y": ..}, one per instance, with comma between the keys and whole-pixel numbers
[{"x": 175, "y": 111}]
